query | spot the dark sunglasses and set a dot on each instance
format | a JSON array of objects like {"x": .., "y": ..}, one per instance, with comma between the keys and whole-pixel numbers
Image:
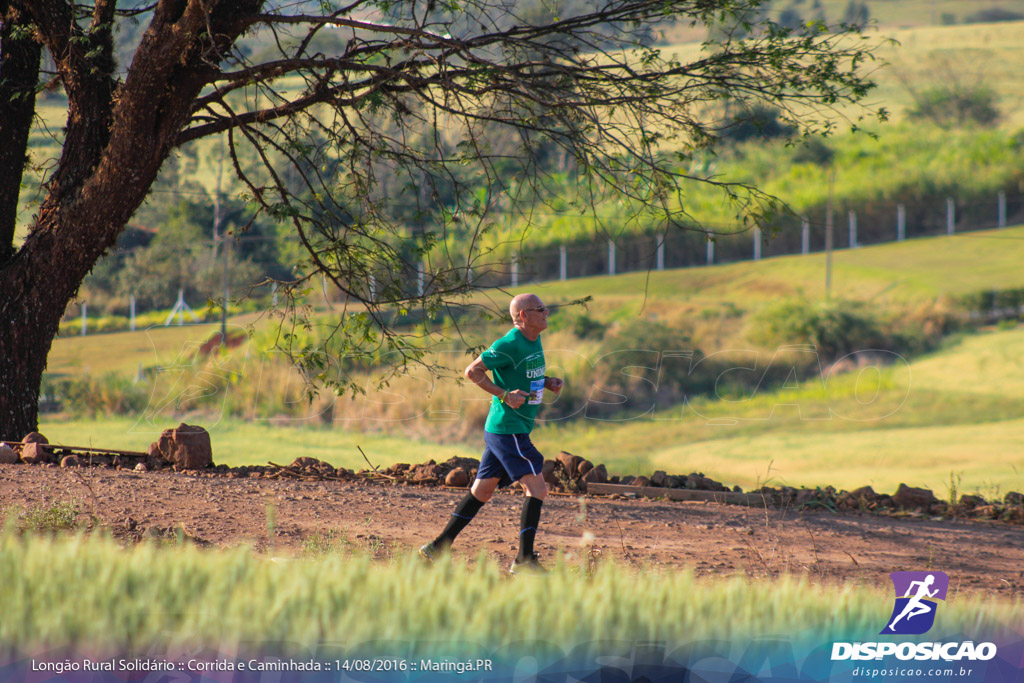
[{"x": 539, "y": 309}]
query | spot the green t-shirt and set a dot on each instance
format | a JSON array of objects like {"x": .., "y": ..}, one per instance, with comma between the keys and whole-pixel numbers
[{"x": 515, "y": 362}]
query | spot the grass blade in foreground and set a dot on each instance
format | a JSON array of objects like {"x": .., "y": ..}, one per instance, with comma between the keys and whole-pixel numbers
[{"x": 90, "y": 595}]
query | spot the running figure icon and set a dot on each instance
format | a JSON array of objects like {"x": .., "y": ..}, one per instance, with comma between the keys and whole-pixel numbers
[{"x": 916, "y": 605}]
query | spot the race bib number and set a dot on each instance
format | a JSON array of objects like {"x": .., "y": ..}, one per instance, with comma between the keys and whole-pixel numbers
[{"x": 536, "y": 391}]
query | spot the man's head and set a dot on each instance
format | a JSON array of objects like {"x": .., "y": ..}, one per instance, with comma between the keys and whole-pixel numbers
[{"x": 529, "y": 314}]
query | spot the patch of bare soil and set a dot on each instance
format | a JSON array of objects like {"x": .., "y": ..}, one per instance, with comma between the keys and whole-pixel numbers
[{"x": 386, "y": 519}]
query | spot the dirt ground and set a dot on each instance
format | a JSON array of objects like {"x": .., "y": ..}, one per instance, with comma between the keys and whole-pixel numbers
[{"x": 386, "y": 520}]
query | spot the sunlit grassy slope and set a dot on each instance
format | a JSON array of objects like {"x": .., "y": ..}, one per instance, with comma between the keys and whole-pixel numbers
[
  {"x": 256, "y": 443},
  {"x": 912, "y": 272},
  {"x": 956, "y": 414},
  {"x": 916, "y": 271},
  {"x": 933, "y": 56},
  {"x": 124, "y": 352}
]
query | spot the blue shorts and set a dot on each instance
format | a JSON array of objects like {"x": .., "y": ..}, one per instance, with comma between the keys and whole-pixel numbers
[{"x": 509, "y": 457}]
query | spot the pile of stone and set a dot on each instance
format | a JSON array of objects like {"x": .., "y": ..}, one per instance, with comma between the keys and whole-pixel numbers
[
  {"x": 186, "y": 447},
  {"x": 568, "y": 473},
  {"x": 695, "y": 481},
  {"x": 33, "y": 449},
  {"x": 571, "y": 473},
  {"x": 907, "y": 500},
  {"x": 456, "y": 471},
  {"x": 923, "y": 501},
  {"x": 36, "y": 449},
  {"x": 303, "y": 467}
]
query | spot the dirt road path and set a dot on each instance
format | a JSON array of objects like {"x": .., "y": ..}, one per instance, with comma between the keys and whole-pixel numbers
[{"x": 709, "y": 539}]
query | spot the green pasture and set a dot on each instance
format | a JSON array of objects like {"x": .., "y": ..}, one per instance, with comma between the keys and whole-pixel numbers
[
  {"x": 918, "y": 164},
  {"x": 172, "y": 599},
  {"x": 955, "y": 415},
  {"x": 927, "y": 55},
  {"x": 256, "y": 443},
  {"x": 991, "y": 54},
  {"x": 125, "y": 352},
  {"x": 900, "y": 159},
  {"x": 986, "y": 364},
  {"x": 913, "y": 272},
  {"x": 906, "y": 162},
  {"x": 907, "y": 13},
  {"x": 975, "y": 458}
]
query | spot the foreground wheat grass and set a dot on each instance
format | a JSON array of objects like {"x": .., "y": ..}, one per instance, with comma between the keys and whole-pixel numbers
[{"x": 88, "y": 593}]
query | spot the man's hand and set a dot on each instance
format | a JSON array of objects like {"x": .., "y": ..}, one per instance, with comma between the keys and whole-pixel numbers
[
  {"x": 553, "y": 384},
  {"x": 515, "y": 399}
]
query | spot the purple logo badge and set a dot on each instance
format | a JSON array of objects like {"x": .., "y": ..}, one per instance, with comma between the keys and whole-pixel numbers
[{"x": 917, "y": 596}]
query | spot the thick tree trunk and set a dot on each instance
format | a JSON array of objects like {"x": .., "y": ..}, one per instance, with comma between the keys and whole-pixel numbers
[
  {"x": 33, "y": 304},
  {"x": 114, "y": 148},
  {"x": 43, "y": 277},
  {"x": 20, "y": 56}
]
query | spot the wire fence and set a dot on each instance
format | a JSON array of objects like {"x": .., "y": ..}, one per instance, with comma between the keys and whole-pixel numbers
[{"x": 853, "y": 226}]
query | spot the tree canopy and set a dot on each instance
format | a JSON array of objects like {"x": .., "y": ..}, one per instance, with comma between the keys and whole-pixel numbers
[{"x": 391, "y": 136}]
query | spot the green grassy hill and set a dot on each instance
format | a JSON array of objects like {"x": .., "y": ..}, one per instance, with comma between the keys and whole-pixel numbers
[
  {"x": 125, "y": 352},
  {"x": 256, "y": 443},
  {"x": 954, "y": 413},
  {"x": 912, "y": 272},
  {"x": 925, "y": 54}
]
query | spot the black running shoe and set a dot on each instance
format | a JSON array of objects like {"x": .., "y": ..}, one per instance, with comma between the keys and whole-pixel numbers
[{"x": 531, "y": 565}]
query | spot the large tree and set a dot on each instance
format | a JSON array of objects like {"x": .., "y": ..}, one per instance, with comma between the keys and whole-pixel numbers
[{"x": 385, "y": 133}]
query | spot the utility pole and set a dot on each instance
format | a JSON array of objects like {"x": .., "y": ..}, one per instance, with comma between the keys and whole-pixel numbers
[
  {"x": 828, "y": 234},
  {"x": 218, "y": 237}
]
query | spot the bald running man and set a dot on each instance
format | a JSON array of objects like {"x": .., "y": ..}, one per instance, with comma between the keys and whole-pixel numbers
[{"x": 517, "y": 363}]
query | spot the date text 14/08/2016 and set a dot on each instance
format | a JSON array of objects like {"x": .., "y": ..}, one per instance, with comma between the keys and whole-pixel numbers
[{"x": 460, "y": 666}]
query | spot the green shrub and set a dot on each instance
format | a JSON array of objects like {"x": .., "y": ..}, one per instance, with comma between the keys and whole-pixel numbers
[
  {"x": 107, "y": 394},
  {"x": 319, "y": 543},
  {"x": 986, "y": 301},
  {"x": 586, "y": 327},
  {"x": 759, "y": 122},
  {"x": 922, "y": 329},
  {"x": 834, "y": 327},
  {"x": 957, "y": 105},
  {"x": 992, "y": 15},
  {"x": 814, "y": 151},
  {"x": 44, "y": 518},
  {"x": 632, "y": 370},
  {"x": 856, "y": 13}
]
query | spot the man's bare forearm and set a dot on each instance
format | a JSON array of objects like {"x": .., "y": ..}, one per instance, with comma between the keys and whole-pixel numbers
[{"x": 478, "y": 375}]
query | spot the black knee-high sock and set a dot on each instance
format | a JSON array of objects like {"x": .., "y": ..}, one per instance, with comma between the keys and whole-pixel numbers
[
  {"x": 463, "y": 515},
  {"x": 528, "y": 524}
]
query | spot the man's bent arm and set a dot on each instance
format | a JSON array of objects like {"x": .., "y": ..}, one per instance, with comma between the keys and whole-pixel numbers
[{"x": 477, "y": 373}]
